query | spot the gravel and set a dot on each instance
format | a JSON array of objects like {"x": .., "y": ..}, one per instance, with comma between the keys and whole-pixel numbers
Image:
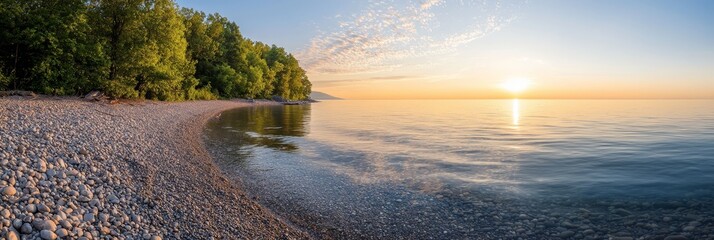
[{"x": 137, "y": 170}]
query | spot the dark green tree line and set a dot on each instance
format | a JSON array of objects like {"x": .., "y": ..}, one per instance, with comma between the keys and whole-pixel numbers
[
  {"x": 46, "y": 46},
  {"x": 138, "y": 49}
]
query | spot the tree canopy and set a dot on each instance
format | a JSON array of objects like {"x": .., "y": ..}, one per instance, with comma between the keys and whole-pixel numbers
[{"x": 138, "y": 49}]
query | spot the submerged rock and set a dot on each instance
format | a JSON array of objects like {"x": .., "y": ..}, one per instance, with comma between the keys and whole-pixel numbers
[
  {"x": 675, "y": 237},
  {"x": 566, "y": 234},
  {"x": 621, "y": 212}
]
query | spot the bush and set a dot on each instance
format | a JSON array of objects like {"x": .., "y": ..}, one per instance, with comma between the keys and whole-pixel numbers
[
  {"x": 203, "y": 93},
  {"x": 4, "y": 81},
  {"x": 121, "y": 88}
]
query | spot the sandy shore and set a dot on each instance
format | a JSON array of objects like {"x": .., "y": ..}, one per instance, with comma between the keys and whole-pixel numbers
[{"x": 77, "y": 169}]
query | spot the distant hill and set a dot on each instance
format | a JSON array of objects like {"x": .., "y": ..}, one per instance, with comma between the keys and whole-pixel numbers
[{"x": 323, "y": 96}]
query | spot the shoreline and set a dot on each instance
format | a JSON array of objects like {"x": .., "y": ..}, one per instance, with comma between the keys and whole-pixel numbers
[{"x": 134, "y": 170}]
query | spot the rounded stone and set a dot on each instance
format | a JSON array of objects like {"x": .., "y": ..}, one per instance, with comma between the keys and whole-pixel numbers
[
  {"x": 41, "y": 166},
  {"x": 42, "y": 224},
  {"x": 103, "y": 217},
  {"x": 11, "y": 235},
  {"x": 17, "y": 223},
  {"x": 65, "y": 224},
  {"x": 48, "y": 235},
  {"x": 88, "y": 217},
  {"x": 31, "y": 208},
  {"x": 26, "y": 228},
  {"x": 5, "y": 222},
  {"x": 43, "y": 208},
  {"x": 62, "y": 233},
  {"x": 9, "y": 191},
  {"x": 135, "y": 218},
  {"x": 113, "y": 199}
]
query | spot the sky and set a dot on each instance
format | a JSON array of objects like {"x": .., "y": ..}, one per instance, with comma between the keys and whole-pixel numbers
[{"x": 412, "y": 49}]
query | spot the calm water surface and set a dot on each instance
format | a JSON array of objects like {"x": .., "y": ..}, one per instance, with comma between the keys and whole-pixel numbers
[{"x": 453, "y": 162}]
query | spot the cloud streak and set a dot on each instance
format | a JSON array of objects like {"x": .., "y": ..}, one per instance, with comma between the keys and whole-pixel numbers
[
  {"x": 388, "y": 32},
  {"x": 342, "y": 82}
]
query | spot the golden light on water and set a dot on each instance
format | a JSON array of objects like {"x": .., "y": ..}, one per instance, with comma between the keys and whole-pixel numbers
[
  {"x": 516, "y": 85},
  {"x": 516, "y": 112}
]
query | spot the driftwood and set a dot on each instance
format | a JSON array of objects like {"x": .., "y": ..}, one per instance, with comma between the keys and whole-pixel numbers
[
  {"x": 94, "y": 96},
  {"x": 17, "y": 93}
]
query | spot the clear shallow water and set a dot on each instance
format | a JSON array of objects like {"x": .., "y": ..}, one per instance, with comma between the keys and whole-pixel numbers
[{"x": 335, "y": 155}]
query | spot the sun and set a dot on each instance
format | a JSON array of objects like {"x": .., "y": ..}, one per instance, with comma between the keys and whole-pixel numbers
[{"x": 516, "y": 85}]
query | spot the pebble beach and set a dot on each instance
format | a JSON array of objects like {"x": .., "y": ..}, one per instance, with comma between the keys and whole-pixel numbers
[{"x": 73, "y": 169}]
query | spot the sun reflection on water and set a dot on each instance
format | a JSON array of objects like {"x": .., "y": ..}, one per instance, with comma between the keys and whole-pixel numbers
[{"x": 516, "y": 112}]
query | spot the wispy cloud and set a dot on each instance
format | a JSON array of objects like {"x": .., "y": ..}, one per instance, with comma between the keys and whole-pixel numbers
[
  {"x": 342, "y": 82},
  {"x": 430, "y": 3},
  {"x": 385, "y": 33}
]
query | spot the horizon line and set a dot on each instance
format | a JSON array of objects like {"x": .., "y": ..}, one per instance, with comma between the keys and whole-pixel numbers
[{"x": 518, "y": 99}]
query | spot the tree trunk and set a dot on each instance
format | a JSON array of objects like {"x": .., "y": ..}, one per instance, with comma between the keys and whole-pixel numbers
[
  {"x": 14, "y": 70},
  {"x": 117, "y": 28}
]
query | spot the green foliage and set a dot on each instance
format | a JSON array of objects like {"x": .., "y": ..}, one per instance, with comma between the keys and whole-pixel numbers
[
  {"x": 47, "y": 47},
  {"x": 239, "y": 67},
  {"x": 227, "y": 81},
  {"x": 121, "y": 88},
  {"x": 147, "y": 45},
  {"x": 203, "y": 93},
  {"x": 4, "y": 81},
  {"x": 138, "y": 49}
]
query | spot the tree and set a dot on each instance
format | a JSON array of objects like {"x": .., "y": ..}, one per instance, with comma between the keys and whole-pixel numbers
[
  {"x": 138, "y": 49},
  {"x": 47, "y": 46},
  {"x": 120, "y": 34},
  {"x": 167, "y": 73},
  {"x": 290, "y": 81},
  {"x": 202, "y": 38},
  {"x": 148, "y": 49}
]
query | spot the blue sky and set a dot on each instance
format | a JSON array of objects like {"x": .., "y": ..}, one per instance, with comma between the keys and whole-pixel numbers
[
  {"x": 464, "y": 49},
  {"x": 287, "y": 23}
]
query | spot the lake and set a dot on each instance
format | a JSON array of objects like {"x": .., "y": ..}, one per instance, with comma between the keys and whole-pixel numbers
[{"x": 465, "y": 169}]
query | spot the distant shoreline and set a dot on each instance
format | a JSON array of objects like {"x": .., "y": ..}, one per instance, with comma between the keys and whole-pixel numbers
[{"x": 132, "y": 169}]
